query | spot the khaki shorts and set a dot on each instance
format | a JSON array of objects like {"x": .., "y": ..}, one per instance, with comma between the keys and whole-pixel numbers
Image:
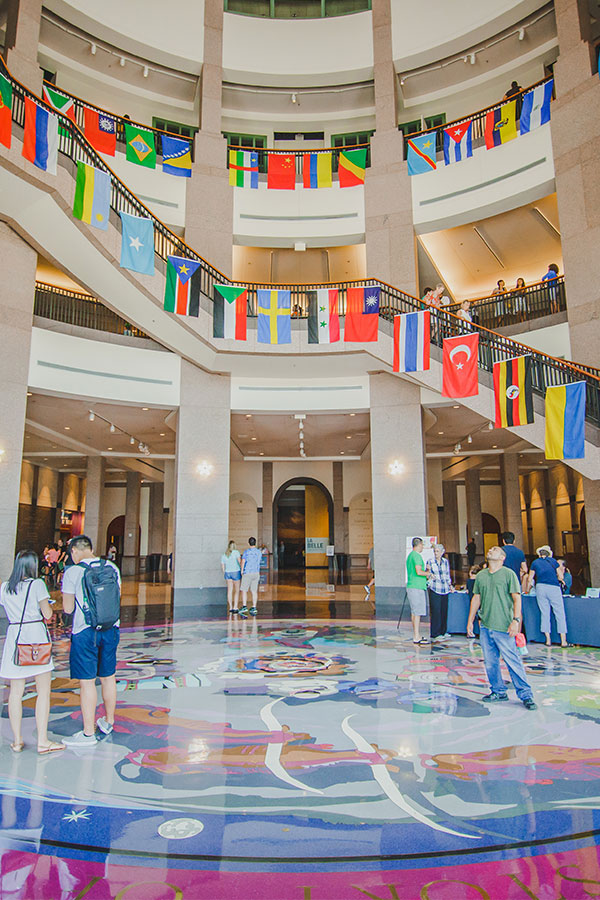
[
  {"x": 418, "y": 601},
  {"x": 250, "y": 581}
]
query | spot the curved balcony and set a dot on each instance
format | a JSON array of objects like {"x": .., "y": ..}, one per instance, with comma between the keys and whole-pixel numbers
[{"x": 535, "y": 301}]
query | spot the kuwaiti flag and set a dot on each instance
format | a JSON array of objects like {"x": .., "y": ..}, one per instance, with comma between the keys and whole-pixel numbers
[
  {"x": 230, "y": 312},
  {"x": 323, "y": 319},
  {"x": 411, "y": 342},
  {"x": 182, "y": 290},
  {"x": 40, "y": 140},
  {"x": 536, "y": 107},
  {"x": 458, "y": 144}
]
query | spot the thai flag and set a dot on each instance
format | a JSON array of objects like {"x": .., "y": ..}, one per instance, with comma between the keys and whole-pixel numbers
[
  {"x": 536, "y": 107},
  {"x": 411, "y": 342},
  {"x": 458, "y": 144},
  {"x": 40, "y": 140}
]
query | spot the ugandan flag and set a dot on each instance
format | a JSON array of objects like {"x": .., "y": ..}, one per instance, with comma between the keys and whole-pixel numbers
[
  {"x": 512, "y": 392},
  {"x": 351, "y": 167},
  {"x": 182, "y": 290}
]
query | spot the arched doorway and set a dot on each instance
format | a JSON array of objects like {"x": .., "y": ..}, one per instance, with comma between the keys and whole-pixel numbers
[
  {"x": 491, "y": 532},
  {"x": 302, "y": 525},
  {"x": 115, "y": 534}
]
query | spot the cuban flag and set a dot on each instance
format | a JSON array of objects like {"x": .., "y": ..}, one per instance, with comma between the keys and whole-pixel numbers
[
  {"x": 40, "y": 139},
  {"x": 411, "y": 342},
  {"x": 536, "y": 107},
  {"x": 458, "y": 144}
]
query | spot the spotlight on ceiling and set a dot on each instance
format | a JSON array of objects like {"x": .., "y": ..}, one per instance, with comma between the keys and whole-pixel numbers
[
  {"x": 93, "y": 49},
  {"x": 145, "y": 71},
  {"x": 132, "y": 440},
  {"x": 91, "y": 416},
  {"x": 294, "y": 98},
  {"x": 490, "y": 426},
  {"x": 472, "y": 59},
  {"x": 122, "y": 61},
  {"x": 521, "y": 34},
  {"x": 469, "y": 440},
  {"x": 112, "y": 429}
]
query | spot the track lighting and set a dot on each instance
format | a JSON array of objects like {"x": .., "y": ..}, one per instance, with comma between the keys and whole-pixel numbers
[
  {"x": 140, "y": 446},
  {"x": 472, "y": 59},
  {"x": 122, "y": 61},
  {"x": 457, "y": 447},
  {"x": 521, "y": 34},
  {"x": 112, "y": 428},
  {"x": 145, "y": 71},
  {"x": 294, "y": 98},
  {"x": 91, "y": 416},
  {"x": 93, "y": 49},
  {"x": 132, "y": 440},
  {"x": 490, "y": 426},
  {"x": 469, "y": 440}
]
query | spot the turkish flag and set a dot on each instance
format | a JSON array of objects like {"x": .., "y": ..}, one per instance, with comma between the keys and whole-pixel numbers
[
  {"x": 281, "y": 171},
  {"x": 459, "y": 366}
]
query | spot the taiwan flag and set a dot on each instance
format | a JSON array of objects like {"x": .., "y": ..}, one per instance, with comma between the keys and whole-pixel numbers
[
  {"x": 101, "y": 131},
  {"x": 362, "y": 314},
  {"x": 459, "y": 366},
  {"x": 281, "y": 172}
]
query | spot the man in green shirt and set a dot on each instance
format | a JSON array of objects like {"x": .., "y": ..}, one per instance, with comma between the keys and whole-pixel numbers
[
  {"x": 497, "y": 596},
  {"x": 416, "y": 587}
]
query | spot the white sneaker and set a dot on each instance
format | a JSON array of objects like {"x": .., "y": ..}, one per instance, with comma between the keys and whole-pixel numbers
[
  {"x": 104, "y": 725},
  {"x": 367, "y": 589},
  {"x": 80, "y": 739},
  {"x": 447, "y": 635}
]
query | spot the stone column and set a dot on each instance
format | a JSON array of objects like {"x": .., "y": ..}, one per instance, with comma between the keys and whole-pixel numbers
[
  {"x": 209, "y": 199},
  {"x": 201, "y": 518},
  {"x": 591, "y": 496},
  {"x": 130, "y": 563},
  {"x": 266, "y": 534},
  {"x": 338, "y": 507},
  {"x": 16, "y": 311},
  {"x": 474, "y": 518},
  {"x": 511, "y": 496},
  {"x": 449, "y": 518},
  {"x": 94, "y": 495},
  {"x": 389, "y": 233},
  {"x": 554, "y": 538},
  {"x": 22, "y": 39},
  {"x": 399, "y": 501},
  {"x": 156, "y": 531},
  {"x": 575, "y": 128}
]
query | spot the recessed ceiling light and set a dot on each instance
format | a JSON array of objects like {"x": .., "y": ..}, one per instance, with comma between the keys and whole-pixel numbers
[
  {"x": 440, "y": 432},
  {"x": 352, "y": 414},
  {"x": 67, "y": 427},
  {"x": 248, "y": 415},
  {"x": 162, "y": 434},
  {"x": 109, "y": 448},
  {"x": 494, "y": 446},
  {"x": 64, "y": 465},
  {"x": 29, "y": 394},
  {"x": 261, "y": 453},
  {"x": 348, "y": 437},
  {"x": 457, "y": 406},
  {"x": 145, "y": 408},
  {"x": 252, "y": 439},
  {"x": 341, "y": 452},
  {"x": 45, "y": 459}
]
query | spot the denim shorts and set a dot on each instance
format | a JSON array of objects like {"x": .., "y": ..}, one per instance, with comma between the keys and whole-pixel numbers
[
  {"x": 94, "y": 653},
  {"x": 233, "y": 576}
]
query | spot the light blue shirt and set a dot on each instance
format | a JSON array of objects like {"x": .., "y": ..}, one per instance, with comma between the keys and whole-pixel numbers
[{"x": 252, "y": 558}]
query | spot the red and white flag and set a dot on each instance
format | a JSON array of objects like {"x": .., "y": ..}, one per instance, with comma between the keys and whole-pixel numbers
[{"x": 459, "y": 366}]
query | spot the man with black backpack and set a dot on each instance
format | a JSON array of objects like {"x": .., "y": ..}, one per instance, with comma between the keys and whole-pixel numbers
[{"x": 91, "y": 589}]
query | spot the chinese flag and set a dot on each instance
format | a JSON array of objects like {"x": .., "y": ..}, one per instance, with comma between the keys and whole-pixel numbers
[
  {"x": 281, "y": 172},
  {"x": 459, "y": 366}
]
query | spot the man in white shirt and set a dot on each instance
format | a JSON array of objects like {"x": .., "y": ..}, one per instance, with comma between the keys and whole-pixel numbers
[{"x": 93, "y": 653}]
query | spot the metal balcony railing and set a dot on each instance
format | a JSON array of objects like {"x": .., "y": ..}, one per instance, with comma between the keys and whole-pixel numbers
[
  {"x": 535, "y": 301},
  {"x": 77, "y": 308},
  {"x": 492, "y": 347}
]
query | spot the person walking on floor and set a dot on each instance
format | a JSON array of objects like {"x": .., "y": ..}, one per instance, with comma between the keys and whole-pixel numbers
[
  {"x": 93, "y": 652},
  {"x": 514, "y": 558},
  {"x": 251, "y": 560},
  {"x": 26, "y": 601},
  {"x": 416, "y": 588},
  {"x": 497, "y": 598},
  {"x": 372, "y": 570},
  {"x": 471, "y": 549},
  {"x": 230, "y": 563},
  {"x": 548, "y": 575},
  {"x": 440, "y": 585}
]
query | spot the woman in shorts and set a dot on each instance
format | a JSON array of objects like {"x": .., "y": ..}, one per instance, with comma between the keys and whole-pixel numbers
[{"x": 230, "y": 563}]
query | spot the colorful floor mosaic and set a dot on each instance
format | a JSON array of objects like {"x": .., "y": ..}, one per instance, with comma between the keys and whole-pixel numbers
[{"x": 310, "y": 760}]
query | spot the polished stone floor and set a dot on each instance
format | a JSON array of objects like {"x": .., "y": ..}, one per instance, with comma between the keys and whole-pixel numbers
[{"x": 318, "y": 756}]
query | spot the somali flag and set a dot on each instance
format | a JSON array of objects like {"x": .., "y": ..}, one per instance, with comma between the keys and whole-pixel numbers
[
  {"x": 137, "y": 244},
  {"x": 421, "y": 153},
  {"x": 565, "y": 421},
  {"x": 40, "y": 139},
  {"x": 536, "y": 107},
  {"x": 411, "y": 342},
  {"x": 177, "y": 157}
]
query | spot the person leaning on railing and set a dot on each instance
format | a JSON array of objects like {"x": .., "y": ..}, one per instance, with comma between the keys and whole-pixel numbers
[{"x": 551, "y": 276}]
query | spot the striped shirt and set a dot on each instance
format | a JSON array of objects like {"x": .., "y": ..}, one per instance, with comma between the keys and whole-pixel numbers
[{"x": 439, "y": 576}]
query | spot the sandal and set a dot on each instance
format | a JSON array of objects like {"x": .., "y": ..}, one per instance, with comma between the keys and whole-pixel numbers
[
  {"x": 17, "y": 748},
  {"x": 53, "y": 747}
]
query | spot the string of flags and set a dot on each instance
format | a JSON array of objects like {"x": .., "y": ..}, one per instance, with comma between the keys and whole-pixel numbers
[{"x": 500, "y": 127}]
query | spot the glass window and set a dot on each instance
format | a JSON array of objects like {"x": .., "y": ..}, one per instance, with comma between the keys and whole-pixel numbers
[
  {"x": 249, "y": 142},
  {"x": 355, "y": 139},
  {"x": 187, "y": 131}
]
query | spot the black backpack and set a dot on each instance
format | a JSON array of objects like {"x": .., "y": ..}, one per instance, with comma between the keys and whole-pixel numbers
[{"x": 102, "y": 593}]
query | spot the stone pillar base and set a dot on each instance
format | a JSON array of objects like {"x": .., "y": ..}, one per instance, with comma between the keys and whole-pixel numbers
[
  {"x": 189, "y": 603},
  {"x": 130, "y": 565}
]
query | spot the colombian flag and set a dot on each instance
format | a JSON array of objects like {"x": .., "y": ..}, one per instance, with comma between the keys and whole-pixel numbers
[
  {"x": 501, "y": 124},
  {"x": 351, "y": 167},
  {"x": 565, "y": 421},
  {"x": 317, "y": 170},
  {"x": 512, "y": 392}
]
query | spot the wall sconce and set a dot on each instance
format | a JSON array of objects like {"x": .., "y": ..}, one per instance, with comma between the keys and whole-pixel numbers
[
  {"x": 204, "y": 469},
  {"x": 1, "y": 454},
  {"x": 396, "y": 468}
]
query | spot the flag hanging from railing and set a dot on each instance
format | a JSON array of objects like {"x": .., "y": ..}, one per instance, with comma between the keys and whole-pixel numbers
[
  {"x": 137, "y": 244},
  {"x": 316, "y": 171},
  {"x": 536, "y": 107},
  {"x": 243, "y": 168},
  {"x": 323, "y": 319},
  {"x": 362, "y": 314},
  {"x": 420, "y": 155},
  {"x": 6, "y": 94},
  {"x": 177, "y": 156},
  {"x": 411, "y": 342},
  {"x": 501, "y": 124},
  {"x": 182, "y": 289},
  {"x": 281, "y": 171},
  {"x": 230, "y": 312},
  {"x": 40, "y": 138},
  {"x": 565, "y": 421},
  {"x": 92, "y": 196},
  {"x": 459, "y": 366},
  {"x": 140, "y": 146},
  {"x": 513, "y": 393},
  {"x": 62, "y": 104},
  {"x": 274, "y": 317},
  {"x": 101, "y": 131},
  {"x": 352, "y": 166},
  {"x": 458, "y": 143}
]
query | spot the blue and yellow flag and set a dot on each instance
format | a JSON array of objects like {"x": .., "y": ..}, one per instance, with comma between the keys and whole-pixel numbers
[
  {"x": 565, "y": 421},
  {"x": 420, "y": 155},
  {"x": 177, "y": 157},
  {"x": 274, "y": 312}
]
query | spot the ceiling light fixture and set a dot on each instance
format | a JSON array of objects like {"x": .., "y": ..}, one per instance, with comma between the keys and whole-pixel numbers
[
  {"x": 29, "y": 394},
  {"x": 145, "y": 71},
  {"x": 252, "y": 439},
  {"x": 248, "y": 415},
  {"x": 112, "y": 428},
  {"x": 145, "y": 408},
  {"x": 122, "y": 61},
  {"x": 396, "y": 468},
  {"x": 93, "y": 49},
  {"x": 109, "y": 448},
  {"x": 140, "y": 446},
  {"x": 91, "y": 416},
  {"x": 204, "y": 468},
  {"x": 473, "y": 58},
  {"x": 521, "y": 34},
  {"x": 469, "y": 440},
  {"x": 490, "y": 426},
  {"x": 457, "y": 447},
  {"x": 67, "y": 427},
  {"x": 352, "y": 414},
  {"x": 132, "y": 440},
  {"x": 162, "y": 434},
  {"x": 294, "y": 98}
]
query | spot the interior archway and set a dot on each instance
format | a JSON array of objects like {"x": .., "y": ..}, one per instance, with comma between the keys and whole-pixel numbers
[{"x": 301, "y": 506}]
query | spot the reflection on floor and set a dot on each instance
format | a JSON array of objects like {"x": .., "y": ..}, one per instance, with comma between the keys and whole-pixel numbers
[{"x": 307, "y": 758}]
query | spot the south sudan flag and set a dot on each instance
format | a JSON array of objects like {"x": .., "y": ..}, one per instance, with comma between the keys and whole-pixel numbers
[
  {"x": 512, "y": 392},
  {"x": 182, "y": 287}
]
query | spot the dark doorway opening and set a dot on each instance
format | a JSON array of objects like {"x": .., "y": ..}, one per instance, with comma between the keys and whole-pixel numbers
[{"x": 291, "y": 528}]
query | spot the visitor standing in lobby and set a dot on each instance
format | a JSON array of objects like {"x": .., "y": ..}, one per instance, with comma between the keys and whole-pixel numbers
[{"x": 547, "y": 574}]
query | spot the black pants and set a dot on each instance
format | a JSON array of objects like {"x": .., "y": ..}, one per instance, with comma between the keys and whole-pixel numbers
[{"x": 438, "y": 610}]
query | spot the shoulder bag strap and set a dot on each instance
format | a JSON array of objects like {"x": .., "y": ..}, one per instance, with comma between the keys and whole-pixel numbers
[{"x": 23, "y": 613}]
